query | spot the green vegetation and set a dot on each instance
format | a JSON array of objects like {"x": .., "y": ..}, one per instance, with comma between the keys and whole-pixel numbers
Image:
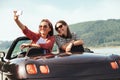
[
  {"x": 99, "y": 33},
  {"x": 94, "y": 33},
  {"x": 4, "y": 45}
]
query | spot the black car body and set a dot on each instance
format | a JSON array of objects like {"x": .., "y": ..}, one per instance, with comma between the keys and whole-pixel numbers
[{"x": 76, "y": 66}]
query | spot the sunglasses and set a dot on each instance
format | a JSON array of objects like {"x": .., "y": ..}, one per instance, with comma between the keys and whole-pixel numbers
[
  {"x": 58, "y": 27},
  {"x": 44, "y": 26}
]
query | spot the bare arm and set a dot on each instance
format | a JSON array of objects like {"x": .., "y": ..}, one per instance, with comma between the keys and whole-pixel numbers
[
  {"x": 16, "y": 18},
  {"x": 24, "y": 45},
  {"x": 64, "y": 46},
  {"x": 78, "y": 42},
  {"x": 68, "y": 46}
]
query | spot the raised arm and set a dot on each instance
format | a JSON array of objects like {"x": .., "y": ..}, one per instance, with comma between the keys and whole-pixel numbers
[{"x": 16, "y": 18}]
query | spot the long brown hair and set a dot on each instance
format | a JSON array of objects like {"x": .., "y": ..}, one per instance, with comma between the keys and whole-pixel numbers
[{"x": 69, "y": 35}]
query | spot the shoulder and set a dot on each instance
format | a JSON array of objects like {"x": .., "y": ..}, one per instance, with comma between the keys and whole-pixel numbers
[
  {"x": 56, "y": 36},
  {"x": 73, "y": 33}
]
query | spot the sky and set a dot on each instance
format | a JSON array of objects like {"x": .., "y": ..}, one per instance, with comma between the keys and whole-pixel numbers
[{"x": 72, "y": 11}]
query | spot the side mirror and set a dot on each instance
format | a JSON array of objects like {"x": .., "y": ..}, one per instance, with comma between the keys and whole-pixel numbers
[{"x": 2, "y": 55}]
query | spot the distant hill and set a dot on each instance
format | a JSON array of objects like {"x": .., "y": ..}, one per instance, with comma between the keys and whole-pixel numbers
[
  {"x": 4, "y": 45},
  {"x": 94, "y": 33},
  {"x": 99, "y": 33}
]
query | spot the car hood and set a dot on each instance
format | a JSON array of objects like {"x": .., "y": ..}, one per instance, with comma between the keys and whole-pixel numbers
[{"x": 69, "y": 66}]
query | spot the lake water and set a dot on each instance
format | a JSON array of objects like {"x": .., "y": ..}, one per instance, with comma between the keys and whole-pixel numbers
[{"x": 106, "y": 50}]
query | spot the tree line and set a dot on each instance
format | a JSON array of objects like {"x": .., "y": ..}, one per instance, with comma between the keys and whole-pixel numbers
[{"x": 98, "y": 33}]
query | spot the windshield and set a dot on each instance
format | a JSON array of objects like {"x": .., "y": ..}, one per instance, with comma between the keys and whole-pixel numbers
[{"x": 17, "y": 49}]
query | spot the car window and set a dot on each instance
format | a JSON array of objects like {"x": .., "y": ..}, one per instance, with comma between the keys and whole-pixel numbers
[{"x": 17, "y": 49}]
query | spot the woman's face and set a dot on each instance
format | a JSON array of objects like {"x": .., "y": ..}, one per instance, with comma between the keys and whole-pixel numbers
[
  {"x": 44, "y": 28},
  {"x": 61, "y": 29}
]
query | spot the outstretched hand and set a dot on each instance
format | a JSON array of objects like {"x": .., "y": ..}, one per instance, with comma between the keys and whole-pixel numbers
[
  {"x": 24, "y": 45},
  {"x": 15, "y": 15},
  {"x": 68, "y": 48}
]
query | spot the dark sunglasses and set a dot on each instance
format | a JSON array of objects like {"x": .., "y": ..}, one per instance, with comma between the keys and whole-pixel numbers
[
  {"x": 58, "y": 27},
  {"x": 45, "y": 26}
]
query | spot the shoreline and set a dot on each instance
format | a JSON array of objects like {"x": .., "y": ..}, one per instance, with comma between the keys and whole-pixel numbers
[{"x": 112, "y": 49}]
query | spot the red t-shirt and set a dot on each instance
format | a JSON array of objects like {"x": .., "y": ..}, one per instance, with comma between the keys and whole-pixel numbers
[{"x": 35, "y": 37}]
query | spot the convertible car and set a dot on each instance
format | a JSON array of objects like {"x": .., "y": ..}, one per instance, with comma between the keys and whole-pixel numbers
[{"x": 33, "y": 64}]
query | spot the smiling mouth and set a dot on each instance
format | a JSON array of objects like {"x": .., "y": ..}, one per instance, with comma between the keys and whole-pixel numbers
[{"x": 42, "y": 31}]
